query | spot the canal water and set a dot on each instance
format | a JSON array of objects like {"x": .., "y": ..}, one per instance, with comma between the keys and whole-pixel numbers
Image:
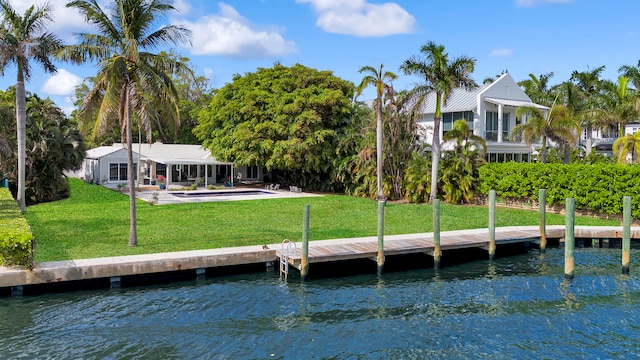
[{"x": 518, "y": 307}]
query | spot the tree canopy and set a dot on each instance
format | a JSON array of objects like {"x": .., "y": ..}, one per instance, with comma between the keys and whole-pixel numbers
[{"x": 284, "y": 118}]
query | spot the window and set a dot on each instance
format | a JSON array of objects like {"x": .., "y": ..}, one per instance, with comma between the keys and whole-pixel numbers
[
  {"x": 492, "y": 126},
  {"x": 118, "y": 171},
  {"x": 449, "y": 118},
  {"x": 252, "y": 172}
]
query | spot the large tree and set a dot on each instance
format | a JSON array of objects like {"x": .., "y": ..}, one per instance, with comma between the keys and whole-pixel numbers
[
  {"x": 557, "y": 124},
  {"x": 130, "y": 78},
  {"x": 23, "y": 38},
  {"x": 381, "y": 81},
  {"x": 54, "y": 143},
  {"x": 588, "y": 104},
  {"x": 283, "y": 118},
  {"x": 440, "y": 76}
]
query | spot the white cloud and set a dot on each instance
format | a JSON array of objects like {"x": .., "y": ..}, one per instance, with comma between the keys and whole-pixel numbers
[
  {"x": 360, "y": 18},
  {"x": 229, "y": 34},
  {"x": 208, "y": 72},
  {"x": 182, "y": 6},
  {"x": 531, "y": 3},
  {"x": 61, "y": 83},
  {"x": 501, "y": 53}
]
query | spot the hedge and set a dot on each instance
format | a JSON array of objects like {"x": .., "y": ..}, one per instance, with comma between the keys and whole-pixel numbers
[
  {"x": 16, "y": 239},
  {"x": 598, "y": 187}
]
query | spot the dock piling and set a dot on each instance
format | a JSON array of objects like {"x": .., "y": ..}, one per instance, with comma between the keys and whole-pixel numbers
[
  {"x": 492, "y": 224},
  {"x": 437, "y": 252},
  {"x": 304, "y": 261},
  {"x": 626, "y": 234},
  {"x": 569, "y": 238},
  {"x": 542, "y": 195},
  {"x": 380, "y": 259}
]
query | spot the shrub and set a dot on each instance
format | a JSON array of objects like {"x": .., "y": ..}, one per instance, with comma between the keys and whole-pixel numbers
[
  {"x": 599, "y": 187},
  {"x": 16, "y": 239}
]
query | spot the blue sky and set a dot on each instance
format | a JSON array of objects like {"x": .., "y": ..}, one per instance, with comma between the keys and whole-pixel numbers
[{"x": 238, "y": 36}]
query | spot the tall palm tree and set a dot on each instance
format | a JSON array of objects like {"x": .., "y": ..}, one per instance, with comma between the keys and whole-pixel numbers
[
  {"x": 382, "y": 82},
  {"x": 440, "y": 76},
  {"x": 129, "y": 77},
  {"x": 620, "y": 104},
  {"x": 558, "y": 126},
  {"x": 23, "y": 38},
  {"x": 537, "y": 88},
  {"x": 589, "y": 105},
  {"x": 627, "y": 148}
]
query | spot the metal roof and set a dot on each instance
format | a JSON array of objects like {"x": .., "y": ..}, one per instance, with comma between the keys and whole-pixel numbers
[
  {"x": 163, "y": 153},
  {"x": 514, "y": 103},
  {"x": 101, "y": 151},
  {"x": 459, "y": 100}
]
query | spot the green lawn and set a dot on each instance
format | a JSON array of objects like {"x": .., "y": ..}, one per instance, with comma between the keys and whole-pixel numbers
[{"x": 94, "y": 222}]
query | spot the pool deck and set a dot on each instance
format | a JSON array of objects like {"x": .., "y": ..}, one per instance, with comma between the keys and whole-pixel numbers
[
  {"x": 165, "y": 197},
  {"x": 319, "y": 251}
]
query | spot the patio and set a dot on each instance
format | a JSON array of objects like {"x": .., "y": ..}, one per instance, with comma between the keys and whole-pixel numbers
[{"x": 180, "y": 196}]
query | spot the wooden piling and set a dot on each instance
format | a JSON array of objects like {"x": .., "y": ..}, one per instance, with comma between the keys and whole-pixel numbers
[
  {"x": 492, "y": 224},
  {"x": 569, "y": 238},
  {"x": 304, "y": 261},
  {"x": 380, "y": 259},
  {"x": 542, "y": 196},
  {"x": 626, "y": 234},
  {"x": 437, "y": 252}
]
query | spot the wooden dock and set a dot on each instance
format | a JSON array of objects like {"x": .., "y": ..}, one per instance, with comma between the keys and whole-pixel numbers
[{"x": 367, "y": 248}]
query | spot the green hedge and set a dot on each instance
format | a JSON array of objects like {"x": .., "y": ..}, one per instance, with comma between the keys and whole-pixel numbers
[
  {"x": 16, "y": 239},
  {"x": 598, "y": 187}
]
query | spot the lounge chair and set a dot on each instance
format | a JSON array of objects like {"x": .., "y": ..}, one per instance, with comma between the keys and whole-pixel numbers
[{"x": 277, "y": 187}]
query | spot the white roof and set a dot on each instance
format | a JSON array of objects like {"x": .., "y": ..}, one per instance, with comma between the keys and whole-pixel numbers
[
  {"x": 101, "y": 151},
  {"x": 514, "y": 103},
  {"x": 459, "y": 100},
  {"x": 163, "y": 153}
]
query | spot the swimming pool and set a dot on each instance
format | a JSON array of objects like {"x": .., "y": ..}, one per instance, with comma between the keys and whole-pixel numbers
[{"x": 221, "y": 193}]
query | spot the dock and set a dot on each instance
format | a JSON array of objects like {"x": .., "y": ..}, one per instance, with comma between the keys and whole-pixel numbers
[{"x": 196, "y": 262}]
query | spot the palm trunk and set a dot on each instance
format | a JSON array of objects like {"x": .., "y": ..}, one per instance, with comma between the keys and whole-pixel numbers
[
  {"x": 21, "y": 125},
  {"x": 435, "y": 149},
  {"x": 133, "y": 232},
  {"x": 380, "y": 196},
  {"x": 543, "y": 151}
]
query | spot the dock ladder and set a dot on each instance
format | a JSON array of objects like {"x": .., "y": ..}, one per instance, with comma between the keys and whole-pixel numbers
[{"x": 288, "y": 247}]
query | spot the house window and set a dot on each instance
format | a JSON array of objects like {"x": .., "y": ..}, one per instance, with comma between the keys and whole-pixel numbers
[
  {"x": 492, "y": 126},
  {"x": 118, "y": 171},
  {"x": 449, "y": 118},
  {"x": 252, "y": 172}
]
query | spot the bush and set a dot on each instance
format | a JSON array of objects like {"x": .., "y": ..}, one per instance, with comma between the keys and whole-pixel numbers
[
  {"x": 599, "y": 187},
  {"x": 16, "y": 239}
]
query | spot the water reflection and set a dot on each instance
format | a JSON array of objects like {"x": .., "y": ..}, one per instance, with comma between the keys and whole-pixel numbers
[{"x": 516, "y": 307}]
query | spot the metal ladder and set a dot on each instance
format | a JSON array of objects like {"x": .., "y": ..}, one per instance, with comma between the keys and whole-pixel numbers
[{"x": 288, "y": 247}]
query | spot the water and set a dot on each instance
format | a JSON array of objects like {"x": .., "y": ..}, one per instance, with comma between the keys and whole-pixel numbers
[{"x": 519, "y": 307}]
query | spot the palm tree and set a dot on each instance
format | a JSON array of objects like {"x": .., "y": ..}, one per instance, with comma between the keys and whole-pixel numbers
[
  {"x": 558, "y": 126},
  {"x": 627, "y": 148},
  {"x": 129, "y": 78},
  {"x": 537, "y": 88},
  {"x": 440, "y": 77},
  {"x": 588, "y": 106},
  {"x": 23, "y": 38},
  {"x": 382, "y": 82},
  {"x": 620, "y": 104},
  {"x": 461, "y": 163}
]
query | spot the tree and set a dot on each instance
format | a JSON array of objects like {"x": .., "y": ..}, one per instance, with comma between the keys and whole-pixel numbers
[
  {"x": 538, "y": 90},
  {"x": 54, "y": 144},
  {"x": 461, "y": 163},
  {"x": 23, "y": 38},
  {"x": 627, "y": 148},
  {"x": 557, "y": 125},
  {"x": 382, "y": 82},
  {"x": 588, "y": 105},
  {"x": 286, "y": 119},
  {"x": 440, "y": 77},
  {"x": 620, "y": 104},
  {"x": 128, "y": 75}
]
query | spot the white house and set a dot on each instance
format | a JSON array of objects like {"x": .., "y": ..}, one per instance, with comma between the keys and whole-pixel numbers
[
  {"x": 490, "y": 110},
  {"x": 180, "y": 165}
]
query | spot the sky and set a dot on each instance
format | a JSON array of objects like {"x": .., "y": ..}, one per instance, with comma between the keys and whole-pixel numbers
[{"x": 238, "y": 36}]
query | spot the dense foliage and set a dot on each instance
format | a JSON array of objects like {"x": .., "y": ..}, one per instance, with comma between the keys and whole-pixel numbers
[
  {"x": 54, "y": 145},
  {"x": 16, "y": 240},
  {"x": 283, "y": 118},
  {"x": 598, "y": 187}
]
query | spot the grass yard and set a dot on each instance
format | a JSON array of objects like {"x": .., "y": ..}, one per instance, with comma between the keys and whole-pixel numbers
[{"x": 94, "y": 222}]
